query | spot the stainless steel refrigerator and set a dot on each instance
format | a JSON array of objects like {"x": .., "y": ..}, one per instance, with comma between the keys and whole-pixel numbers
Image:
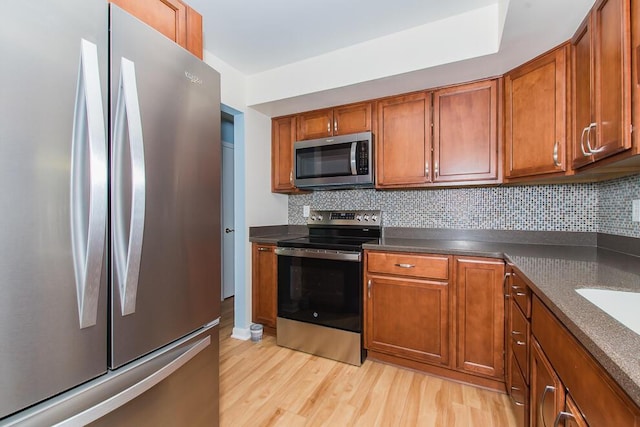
[{"x": 109, "y": 221}]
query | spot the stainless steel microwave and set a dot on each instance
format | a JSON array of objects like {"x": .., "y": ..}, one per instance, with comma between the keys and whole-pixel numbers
[{"x": 344, "y": 161}]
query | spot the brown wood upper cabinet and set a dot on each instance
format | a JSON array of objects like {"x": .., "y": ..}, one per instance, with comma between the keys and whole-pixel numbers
[
  {"x": 536, "y": 116},
  {"x": 601, "y": 60},
  {"x": 264, "y": 285},
  {"x": 403, "y": 147},
  {"x": 173, "y": 18},
  {"x": 465, "y": 129},
  {"x": 283, "y": 135},
  {"x": 342, "y": 120}
]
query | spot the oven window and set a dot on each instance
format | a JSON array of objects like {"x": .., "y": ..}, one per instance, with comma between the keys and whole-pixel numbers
[
  {"x": 324, "y": 161},
  {"x": 324, "y": 292}
]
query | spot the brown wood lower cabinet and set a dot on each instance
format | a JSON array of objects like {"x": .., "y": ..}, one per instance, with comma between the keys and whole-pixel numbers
[
  {"x": 480, "y": 316},
  {"x": 558, "y": 360},
  {"x": 409, "y": 318},
  {"x": 417, "y": 316},
  {"x": 264, "y": 283}
]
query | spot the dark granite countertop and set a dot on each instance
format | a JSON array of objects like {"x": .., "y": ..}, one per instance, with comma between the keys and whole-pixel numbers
[
  {"x": 555, "y": 272},
  {"x": 273, "y": 233}
]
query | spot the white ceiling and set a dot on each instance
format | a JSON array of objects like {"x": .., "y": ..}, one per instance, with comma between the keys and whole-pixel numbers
[
  {"x": 258, "y": 35},
  {"x": 261, "y": 38}
]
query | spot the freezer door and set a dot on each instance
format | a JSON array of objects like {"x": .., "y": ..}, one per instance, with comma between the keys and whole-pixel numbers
[
  {"x": 53, "y": 198},
  {"x": 165, "y": 200}
]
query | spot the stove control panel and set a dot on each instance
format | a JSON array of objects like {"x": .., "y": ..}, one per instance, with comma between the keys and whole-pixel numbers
[{"x": 359, "y": 218}]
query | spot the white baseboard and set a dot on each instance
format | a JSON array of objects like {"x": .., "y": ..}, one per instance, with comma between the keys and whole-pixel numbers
[{"x": 241, "y": 334}]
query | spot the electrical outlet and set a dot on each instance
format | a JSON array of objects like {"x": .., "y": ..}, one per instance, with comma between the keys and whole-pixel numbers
[
  {"x": 305, "y": 211},
  {"x": 635, "y": 212}
]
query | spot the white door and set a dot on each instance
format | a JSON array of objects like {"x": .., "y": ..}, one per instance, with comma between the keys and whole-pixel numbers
[{"x": 227, "y": 221}]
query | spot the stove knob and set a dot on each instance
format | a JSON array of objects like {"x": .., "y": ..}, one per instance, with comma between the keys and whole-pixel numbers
[
  {"x": 359, "y": 217},
  {"x": 313, "y": 217},
  {"x": 374, "y": 218},
  {"x": 319, "y": 217},
  {"x": 366, "y": 217}
]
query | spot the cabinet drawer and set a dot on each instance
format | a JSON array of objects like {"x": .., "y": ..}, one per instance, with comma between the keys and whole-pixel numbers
[
  {"x": 425, "y": 266},
  {"x": 520, "y": 332},
  {"x": 601, "y": 400},
  {"x": 521, "y": 294},
  {"x": 519, "y": 394}
]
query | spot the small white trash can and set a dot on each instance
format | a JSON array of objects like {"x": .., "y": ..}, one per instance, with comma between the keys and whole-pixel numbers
[{"x": 256, "y": 332}]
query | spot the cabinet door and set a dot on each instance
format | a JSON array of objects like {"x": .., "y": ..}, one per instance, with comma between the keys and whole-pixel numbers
[
  {"x": 172, "y": 18},
  {"x": 602, "y": 82},
  {"x": 403, "y": 145},
  {"x": 315, "y": 124},
  {"x": 571, "y": 415},
  {"x": 547, "y": 392},
  {"x": 536, "y": 116},
  {"x": 612, "y": 46},
  {"x": 465, "y": 133},
  {"x": 352, "y": 119},
  {"x": 283, "y": 135},
  {"x": 480, "y": 316},
  {"x": 408, "y": 318},
  {"x": 583, "y": 93},
  {"x": 264, "y": 284}
]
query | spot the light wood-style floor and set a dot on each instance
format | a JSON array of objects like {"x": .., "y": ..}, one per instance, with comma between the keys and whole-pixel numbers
[{"x": 262, "y": 384}]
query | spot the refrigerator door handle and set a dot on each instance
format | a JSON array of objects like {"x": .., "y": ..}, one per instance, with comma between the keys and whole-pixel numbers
[
  {"x": 101, "y": 409},
  {"x": 88, "y": 205},
  {"x": 127, "y": 242}
]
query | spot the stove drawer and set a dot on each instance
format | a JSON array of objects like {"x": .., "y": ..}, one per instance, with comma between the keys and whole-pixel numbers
[{"x": 406, "y": 264}]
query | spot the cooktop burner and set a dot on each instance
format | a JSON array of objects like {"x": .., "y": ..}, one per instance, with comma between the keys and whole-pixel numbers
[{"x": 339, "y": 230}]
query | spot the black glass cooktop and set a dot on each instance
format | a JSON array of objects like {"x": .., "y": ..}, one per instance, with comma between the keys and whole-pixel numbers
[{"x": 328, "y": 242}]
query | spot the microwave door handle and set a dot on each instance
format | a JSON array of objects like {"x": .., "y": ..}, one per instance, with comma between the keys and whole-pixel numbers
[{"x": 354, "y": 147}]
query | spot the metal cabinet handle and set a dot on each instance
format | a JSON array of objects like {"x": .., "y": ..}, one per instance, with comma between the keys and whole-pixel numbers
[
  {"x": 584, "y": 152},
  {"x": 127, "y": 244},
  {"x": 507, "y": 274},
  {"x": 561, "y": 415},
  {"x": 436, "y": 169},
  {"x": 555, "y": 155},
  {"x": 522, "y": 343},
  {"x": 541, "y": 404},
  {"x": 328, "y": 127},
  {"x": 426, "y": 169},
  {"x": 513, "y": 399},
  {"x": 518, "y": 294},
  {"x": 335, "y": 126},
  {"x": 291, "y": 177},
  {"x": 369, "y": 289},
  {"x": 262, "y": 248},
  {"x": 592, "y": 150},
  {"x": 88, "y": 205},
  {"x": 402, "y": 265}
]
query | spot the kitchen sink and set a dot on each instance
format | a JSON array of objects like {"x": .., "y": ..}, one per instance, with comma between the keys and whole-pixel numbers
[{"x": 621, "y": 305}]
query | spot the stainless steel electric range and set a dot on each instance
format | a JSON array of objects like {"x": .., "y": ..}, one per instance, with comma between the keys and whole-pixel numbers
[{"x": 320, "y": 291}]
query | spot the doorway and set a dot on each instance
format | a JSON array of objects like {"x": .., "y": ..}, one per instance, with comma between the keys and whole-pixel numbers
[{"x": 228, "y": 222}]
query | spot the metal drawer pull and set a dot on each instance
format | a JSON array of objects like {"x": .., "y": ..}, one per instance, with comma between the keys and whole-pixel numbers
[
  {"x": 513, "y": 399},
  {"x": 555, "y": 155},
  {"x": 541, "y": 404},
  {"x": 402, "y": 265},
  {"x": 516, "y": 333},
  {"x": 562, "y": 415},
  {"x": 521, "y": 294},
  {"x": 369, "y": 288},
  {"x": 263, "y": 249},
  {"x": 520, "y": 342}
]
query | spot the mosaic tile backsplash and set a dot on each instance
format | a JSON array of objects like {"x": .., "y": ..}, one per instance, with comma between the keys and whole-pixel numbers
[{"x": 594, "y": 207}]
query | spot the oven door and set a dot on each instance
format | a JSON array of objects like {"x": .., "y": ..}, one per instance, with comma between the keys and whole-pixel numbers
[{"x": 320, "y": 287}]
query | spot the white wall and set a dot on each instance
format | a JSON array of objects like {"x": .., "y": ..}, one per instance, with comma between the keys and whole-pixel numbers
[{"x": 261, "y": 207}]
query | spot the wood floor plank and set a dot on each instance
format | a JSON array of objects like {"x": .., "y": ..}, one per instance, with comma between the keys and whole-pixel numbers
[{"x": 262, "y": 384}]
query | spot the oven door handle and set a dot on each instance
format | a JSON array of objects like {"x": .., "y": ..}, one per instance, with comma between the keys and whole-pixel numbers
[
  {"x": 354, "y": 168},
  {"x": 320, "y": 254}
]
